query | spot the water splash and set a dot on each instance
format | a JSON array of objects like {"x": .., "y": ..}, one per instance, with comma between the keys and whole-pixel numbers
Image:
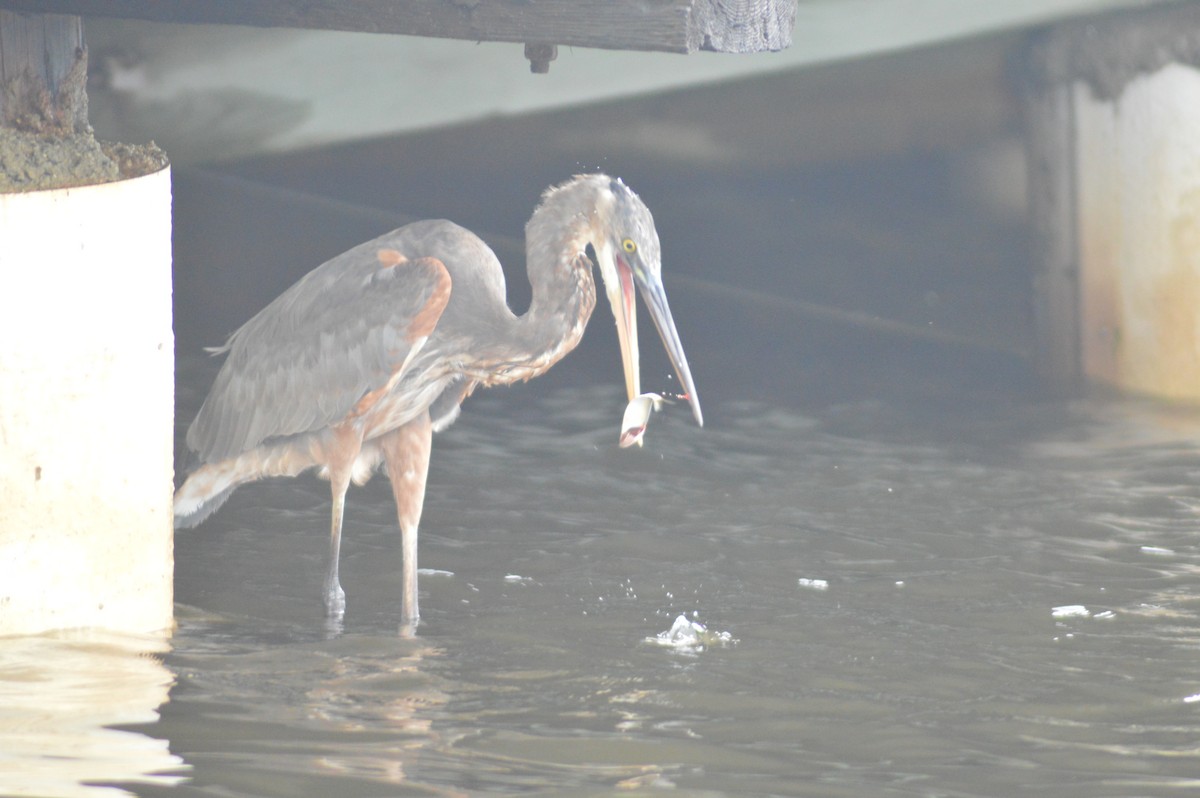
[{"x": 691, "y": 636}]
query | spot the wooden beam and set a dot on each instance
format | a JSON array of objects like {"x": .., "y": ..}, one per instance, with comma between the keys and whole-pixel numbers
[{"x": 679, "y": 26}]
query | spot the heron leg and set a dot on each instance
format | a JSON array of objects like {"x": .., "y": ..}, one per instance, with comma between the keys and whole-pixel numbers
[
  {"x": 406, "y": 451},
  {"x": 335, "y": 597},
  {"x": 340, "y": 450}
]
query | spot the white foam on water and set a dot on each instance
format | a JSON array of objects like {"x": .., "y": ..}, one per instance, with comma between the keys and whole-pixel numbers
[{"x": 691, "y": 636}]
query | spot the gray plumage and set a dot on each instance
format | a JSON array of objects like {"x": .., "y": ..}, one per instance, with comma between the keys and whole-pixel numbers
[{"x": 305, "y": 359}]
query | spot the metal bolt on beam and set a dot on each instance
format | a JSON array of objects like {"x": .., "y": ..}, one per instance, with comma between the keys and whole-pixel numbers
[{"x": 540, "y": 56}]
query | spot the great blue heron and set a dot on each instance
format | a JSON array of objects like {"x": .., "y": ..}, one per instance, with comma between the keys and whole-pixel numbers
[{"x": 369, "y": 354}]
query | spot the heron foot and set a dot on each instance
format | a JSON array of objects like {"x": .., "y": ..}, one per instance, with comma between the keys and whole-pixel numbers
[{"x": 335, "y": 600}]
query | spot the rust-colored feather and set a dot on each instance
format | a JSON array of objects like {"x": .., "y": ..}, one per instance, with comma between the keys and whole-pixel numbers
[{"x": 427, "y": 317}]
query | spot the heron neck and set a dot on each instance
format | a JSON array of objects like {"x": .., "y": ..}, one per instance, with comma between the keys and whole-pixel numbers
[{"x": 560, "y": 272}]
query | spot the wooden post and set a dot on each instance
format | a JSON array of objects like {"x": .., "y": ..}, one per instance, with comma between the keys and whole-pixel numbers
[
  {"x": 43, "y": 73},
  {"x": 1050, "y": 131},
  {"x": 86, "y": 362},
  {"x": 1114, "y": 126}
]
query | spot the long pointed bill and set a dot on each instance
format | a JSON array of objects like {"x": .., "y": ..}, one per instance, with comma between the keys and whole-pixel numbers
[
  {"x": 618, "y": 284},
  {"x": 619, "y": 281},
  {"x": 656, "y": 300}
]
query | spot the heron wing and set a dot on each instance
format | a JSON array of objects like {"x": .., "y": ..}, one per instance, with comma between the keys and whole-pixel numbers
[{"x": 347, "y": 328}]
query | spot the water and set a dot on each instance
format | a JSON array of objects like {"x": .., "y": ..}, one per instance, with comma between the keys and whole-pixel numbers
[{"x": 878, "y": 581}]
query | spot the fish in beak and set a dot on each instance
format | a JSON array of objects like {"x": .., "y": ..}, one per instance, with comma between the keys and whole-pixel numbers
[{"x": 637, "y": 416}]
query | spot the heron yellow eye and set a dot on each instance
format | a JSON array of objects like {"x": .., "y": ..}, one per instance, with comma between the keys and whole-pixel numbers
[{"x": 629, "y": 246}]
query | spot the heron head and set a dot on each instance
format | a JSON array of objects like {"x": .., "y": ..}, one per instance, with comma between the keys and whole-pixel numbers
[{"x": 628, "y": 254}]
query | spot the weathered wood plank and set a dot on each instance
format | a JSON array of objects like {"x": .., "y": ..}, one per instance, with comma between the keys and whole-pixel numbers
[
  {"x": 744, "y": 26},
  {"x": 680, "y": 26}
]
